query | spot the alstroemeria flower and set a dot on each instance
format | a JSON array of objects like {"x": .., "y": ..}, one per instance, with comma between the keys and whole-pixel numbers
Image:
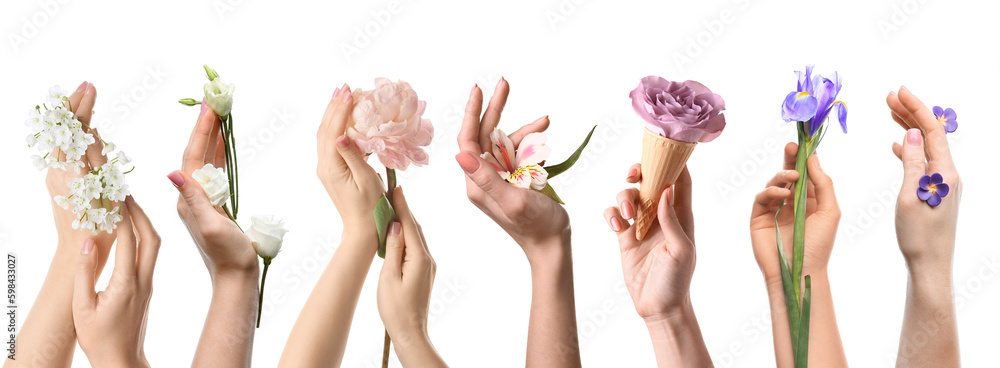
[
  {"x": 523, "y": 167},
  {"x": 813, "y": 100},
  {"x": 932, "y": 189},
  {"x": 947, "y": 118}
]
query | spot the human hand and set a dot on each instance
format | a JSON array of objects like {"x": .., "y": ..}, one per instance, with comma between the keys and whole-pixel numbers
[
  {"x": 822, "y": 219},
  {"x": 351, "y": 183},
  {"x": 536, "y": 222},
  {"x": 223, "y": 246},
  {"x": 658, "y": 269},
  {"x": 404, "y": 286},
  {"x": 926, "y": 234},
  {"x": 56, "y": 180},
  {"x": 111, "y": 324}
]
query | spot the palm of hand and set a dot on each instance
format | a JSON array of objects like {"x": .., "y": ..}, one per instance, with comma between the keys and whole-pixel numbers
[
  {"x": 658, "y": 275},
  {"x": 220, "y": 241},
  {"x": 530, "y": 217},
  {"x": 818, "y": 240}
]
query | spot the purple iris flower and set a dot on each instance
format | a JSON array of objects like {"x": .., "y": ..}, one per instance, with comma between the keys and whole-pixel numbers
[
  {"x": 947, "y": 118},
  {"x": 813, "y": 100},
  {"x": 932, "y": 189}
]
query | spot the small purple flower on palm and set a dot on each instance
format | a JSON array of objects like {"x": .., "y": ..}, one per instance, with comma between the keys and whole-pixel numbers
[
  {"x": 947, "y": 118},
  {"x": 813, "y": 100},
  {"x": 932, "y": 189}
]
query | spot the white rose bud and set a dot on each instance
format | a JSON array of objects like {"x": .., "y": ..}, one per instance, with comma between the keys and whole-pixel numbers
[
  {"x": 219, "y": 96},
  {"x": 215, "y": 183},
  {"x": 266, "y": 234}
]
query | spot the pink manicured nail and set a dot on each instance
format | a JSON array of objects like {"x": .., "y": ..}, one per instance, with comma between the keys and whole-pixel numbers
[
  {"x": 176, "y": 178},
  {"x": 343, "y": 141},
  {"x": 913, "y": 137},
  {"x": 129, "y": 199},
  {"x": 90, "y": 87},
  {"x": 347, "y": 95},
  {"x": 88, "y": 246},
  {"x": 500, "y": 82},
  {"x": 468, "y": 162},
  {"x": 394, "y": 228},
  {"x": 82, "y": 87},
  {"x": 615, "y": 225},
  {"x": 204, "y": 106},
  {"x": 632, "y": 172},
  {"x": 892, "y": 93},
  {"x": 336, "y": 92},
  {"x": 626, "y": 210},
  {"x": 904, "y": 88},
  {"x": 473, "y": 91}
]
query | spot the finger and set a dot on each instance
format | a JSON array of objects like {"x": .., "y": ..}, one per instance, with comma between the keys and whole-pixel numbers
[
  {"x": 791, "y": 152},
  {"x": 634, "y": 174},
  {"x": 936, "y": 143},
  {"x": 84, "y": 297},
  {"x": 826, "y": 199},
  {"x": 194, "y": 154},
  {"x": 324, "y": 134},
  {"x": 486, "y": 178},
  {"x": 912, "y": 156},
  {"x": 537, "y": 126},
  {"x": 415, "y": 249},
  {"x": 468, "y": 137},
  {"x": 765, "y": 199},
  {"x": 783, "y": 178},
  {"x": 75, "y": 97},
  {"x": 338, "y": 122},
  {"x": 626, "y": 203},
  {"x": 84, "y": 110},
  {"x": 149, "y": 242},
  {"x": 212, "y": 146},
  {"x": 677, "y": 239},
  {"x": 897, "y": 150},
  {"x": 355, "y": 162},
  {"x": 615, "y": 221},
  {"x": 220, "y": 152},
  {"x": 682, "y": 202},
  {"x": 491, "y": 118},
  {"x": 899, "y": 113},
  {"x": 393, "y": 266},
  {"x": 125, "y": 246},
  {"x": 194, "y": 196}
]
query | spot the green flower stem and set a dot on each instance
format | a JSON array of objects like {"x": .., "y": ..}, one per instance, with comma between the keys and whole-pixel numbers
[
  {"x": 390, "y": 176},
  {"x": 802, "y": 343},
  {"x": 260, "y": 301},
  {"x": 801, "y": 193}
]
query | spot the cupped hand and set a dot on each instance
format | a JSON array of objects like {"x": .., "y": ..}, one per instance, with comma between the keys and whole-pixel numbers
[
  {"x": 351, "y": 183},
  {"x": 658, "y": 269},
  {"x": 535, "y": 221},
  {"x": 223, "y": 246},
  {"x": 82, "y": 104},
  {"x": 926, "y": 234},
  {"x": 822, "y": 218},
  {"x": 111, "y": 324},
  {"x": 404, "y": 286}
]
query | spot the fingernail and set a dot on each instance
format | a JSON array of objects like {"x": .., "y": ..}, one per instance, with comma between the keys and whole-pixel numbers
[
  {"x": 394, "y": 228},
  {"x": 539, "y": 120},
  {"x": 670, "y": 197},
  {"x": 500, "y": 82},
  {"x": 468, "y": 162},
  {"x": 90, "y": 87},
  {"x": 615, "y": 225},
  {"x": 913, "y": 137},
  {"x": 336, "y": 92},
  {"x": 347, "y": 95},
  {"x": 343, "y": 141},
  {"x": 176, "y": 178},
  {"x": 892, "y": 93},
  {"x": 88, "y": 246},
  {"x": 626, "y": 210},
  {"x": 904, "y": 88},
  {"x": 204, "y": 106},
  {"x": 473, "y": 91},
  {"x": 82, "y": 87},
  {"x": 129, "y": 199},
  {"x": 632, "y": 172}
]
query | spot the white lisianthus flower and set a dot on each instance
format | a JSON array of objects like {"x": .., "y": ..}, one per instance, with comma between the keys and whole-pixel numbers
[
  {"x": 215, "y": 183},
  {"x": 266, "y": 233},
  {"x": 219, "y": 96}
]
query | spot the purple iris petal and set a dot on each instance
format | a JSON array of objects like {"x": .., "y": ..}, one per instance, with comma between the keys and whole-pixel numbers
[
  {"x": 842, "y": 115},
  {"x": 934, "y": 200},
  {"x": 942, "y": 189},
  {"x": 924, "y": 182},
  {"x": 923, "y": 194},
  {"x": 798, "y": 109}
]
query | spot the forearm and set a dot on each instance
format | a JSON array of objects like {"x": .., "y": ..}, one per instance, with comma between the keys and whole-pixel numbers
[
  {"x": 677, "y": 340},
  {"x": 320, "y": 334},
  {"x": 418, "y": 353},
  {"x": 227, "y": 338},
  {"x": 825, "y": 346},
  {"x": 929, "y": 337},
  {"x": 552, "y": 333},
  {"x": 48, "y": 337}
]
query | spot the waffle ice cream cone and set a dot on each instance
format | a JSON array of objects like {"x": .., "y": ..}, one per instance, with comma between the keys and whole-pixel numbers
[{"x": 663, "y": 159}]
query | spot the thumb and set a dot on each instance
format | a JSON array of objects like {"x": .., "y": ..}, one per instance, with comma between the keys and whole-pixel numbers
[
  {"x": 671, "y": 226},
  {"x": 483, "y": 174},
  {"x": 84, "y": 297},
  {"x": 914, "y": 165},
  {"x": 352, "y": 156},
  {"x": 193, "y": 194},
  {"x": 393, "y": 266}
]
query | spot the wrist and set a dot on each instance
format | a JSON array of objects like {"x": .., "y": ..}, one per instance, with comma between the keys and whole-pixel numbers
[
  {"x": 552, "y": 250},
  {"x": 123, "y": 361},
  {"x": 671, "y": 323},
  {"x": 235, "y": 278}
]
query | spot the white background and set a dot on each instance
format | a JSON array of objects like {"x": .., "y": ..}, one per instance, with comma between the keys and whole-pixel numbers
[{"x": 574, "y": 60}]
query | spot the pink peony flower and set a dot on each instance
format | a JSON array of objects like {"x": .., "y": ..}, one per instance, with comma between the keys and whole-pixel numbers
[
  {"x": 388, "y": 122},
  {"x": 683, "y": 111}
]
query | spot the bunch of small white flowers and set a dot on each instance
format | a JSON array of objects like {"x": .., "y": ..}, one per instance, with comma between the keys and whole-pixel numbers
[
  {"x": 53, "y": 125},
  {"x": 93, "y": 197}
]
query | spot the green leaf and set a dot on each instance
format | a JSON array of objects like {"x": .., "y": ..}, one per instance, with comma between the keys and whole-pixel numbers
[
  {"x": 565, "y": 165},
  {"x": 551, "y": 193},
  {"x": 791, "y": 299},
  {"x": 384, "y": 214},
  {"x": 802, "y": 345}
]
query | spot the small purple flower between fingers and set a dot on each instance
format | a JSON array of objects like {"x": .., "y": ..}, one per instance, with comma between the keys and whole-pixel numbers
[
  {"x": 932, "y": 189},
  {"x": 947, "y": 118}
]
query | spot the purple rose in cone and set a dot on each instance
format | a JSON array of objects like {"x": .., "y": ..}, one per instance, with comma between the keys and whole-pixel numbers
[{"x": 683, "y": 111}]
